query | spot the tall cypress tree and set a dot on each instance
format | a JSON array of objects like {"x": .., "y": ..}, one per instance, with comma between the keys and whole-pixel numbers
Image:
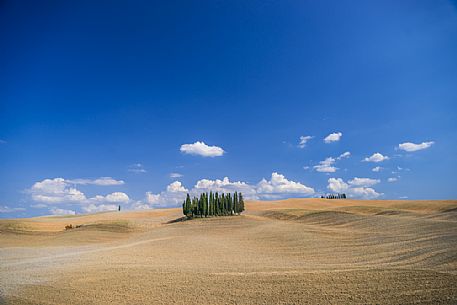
[
  {"x": 241, "y": 202},
  {"x": 216, "y": 204},
  {"x": 210, "y": 203},
  {"x": 187, "y": 205},
  {"x": 206, "y": 205},
  {"x": 235, "y": 203},
  {"x": 223, "y": 209},
  {"x": 229, "y": 204}
]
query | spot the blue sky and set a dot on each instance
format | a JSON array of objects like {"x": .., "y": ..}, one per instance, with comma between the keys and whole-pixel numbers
[{"x": 136, "y": 103}]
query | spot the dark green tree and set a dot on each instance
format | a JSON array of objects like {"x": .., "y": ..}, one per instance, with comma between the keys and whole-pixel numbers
[
  {"x": 241, "y": 202},
  {"x": 235, "y": 203}
]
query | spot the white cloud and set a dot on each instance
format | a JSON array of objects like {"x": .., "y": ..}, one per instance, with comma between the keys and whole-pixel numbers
[
  {"x": 152, "y": 198},
  {"x": 392, "y": 179},
  {"x": 94, "y": 208},
  {"x": 58, "y": 191},
  {"x": 305, "y": 167},
  {"x": 201, "y": 149},
  {"x": 136, "y": 168},
  {"x": 140, "y": 205},
  {"x": 175, "y": 175},
  {"x": 376, "y": 169},
  {"x": 176, "y": 187},
  {"x": 333, "y": 137},
  {"x": 376, "y": 157},
  {"x": 326, "y": 166},
  {"x": 344, "y": 155},
  {"x": 303, "y": 141},
  {"x": 338, "y": 185},
  {"x": 6, "y": 209},
  {"x": 224, "y": 186},
  {"x": 410, "y": 147},
  {"x": 102, "y": 181},
  {"x": 58, "y": 211},
  {"x": 117, "y": 197},
  {"x": 278, "y": 185},
  {"x": 363, "y": 181},
  {"x": 363, "y": 192},
  {"x": 55, "y": 190},
  {"x": 173, "y": 196}
]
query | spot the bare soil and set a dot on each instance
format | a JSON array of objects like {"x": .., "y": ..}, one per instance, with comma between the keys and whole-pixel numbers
[{"x": 296, "y": 251}]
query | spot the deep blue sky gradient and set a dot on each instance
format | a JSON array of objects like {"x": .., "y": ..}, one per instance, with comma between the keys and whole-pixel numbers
[{"x": 88, "y": 88}]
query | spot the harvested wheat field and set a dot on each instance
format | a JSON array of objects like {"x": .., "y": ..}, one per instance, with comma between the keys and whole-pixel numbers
[{"x": 296, "y": 251}]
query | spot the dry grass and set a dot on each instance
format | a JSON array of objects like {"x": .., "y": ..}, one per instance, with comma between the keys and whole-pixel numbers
[{"x": 298, "y": 251}]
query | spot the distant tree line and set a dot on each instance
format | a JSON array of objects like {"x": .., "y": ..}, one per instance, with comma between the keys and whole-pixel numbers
[
  {"x": 334, "y": 196},
  {"x": 213, "y": 204}
]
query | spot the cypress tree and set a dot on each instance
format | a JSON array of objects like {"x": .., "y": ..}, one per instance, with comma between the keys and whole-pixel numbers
[
  {"x": 235, "y": 203},
  {"x": 210, "y": 212},
  {"x": 223, "y": 209},
  {"x": 206, "y": 204},
  {"x": 201, "y": 208},
  {"x": 229, "y": 204},
  {"x": 241, "y": 202},
  {"x": 216, "y": 204},
  {"x": 188, "y": 205}
]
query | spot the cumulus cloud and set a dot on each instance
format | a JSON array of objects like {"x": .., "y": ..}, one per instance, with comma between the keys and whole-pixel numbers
[
  {"x": 59, "y": 191},
  {"x": 363, "y": 181},
  {"x": 94, "y": 208},
  {"x": 338, "y": 185},
  {"x": 376, "y": 169},
  {"x": 326, "y": 166},
  {"x": 136, "y": 168},
  {"x": 55, "y": 190},
  {"x": 278, "y": 185},
  {"x": 392, "y": 179},
  {"x": 363, "y": 192},
  {"x": 172, "y": 196},
  {"x": 376, "y": 157},
  {"x": 116, "y": 197},
  {"x": 224, "y": 186},
  {"x": 303, "y": 141},
  {"x": 410, "y": 147},
  {"x": 201, "y": 149},
  {"x": 333, "y": 137},
  {"x": 58, "y": 211},
  {"x": 102, "y": 181},
  {"x": 6, "y": 209}
]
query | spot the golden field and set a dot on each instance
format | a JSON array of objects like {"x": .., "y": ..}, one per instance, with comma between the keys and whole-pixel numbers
[{"x": 295, "y": 251}]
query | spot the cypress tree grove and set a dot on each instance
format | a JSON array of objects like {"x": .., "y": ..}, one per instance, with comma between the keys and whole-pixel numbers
[{"x": 213, "y": 204}]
